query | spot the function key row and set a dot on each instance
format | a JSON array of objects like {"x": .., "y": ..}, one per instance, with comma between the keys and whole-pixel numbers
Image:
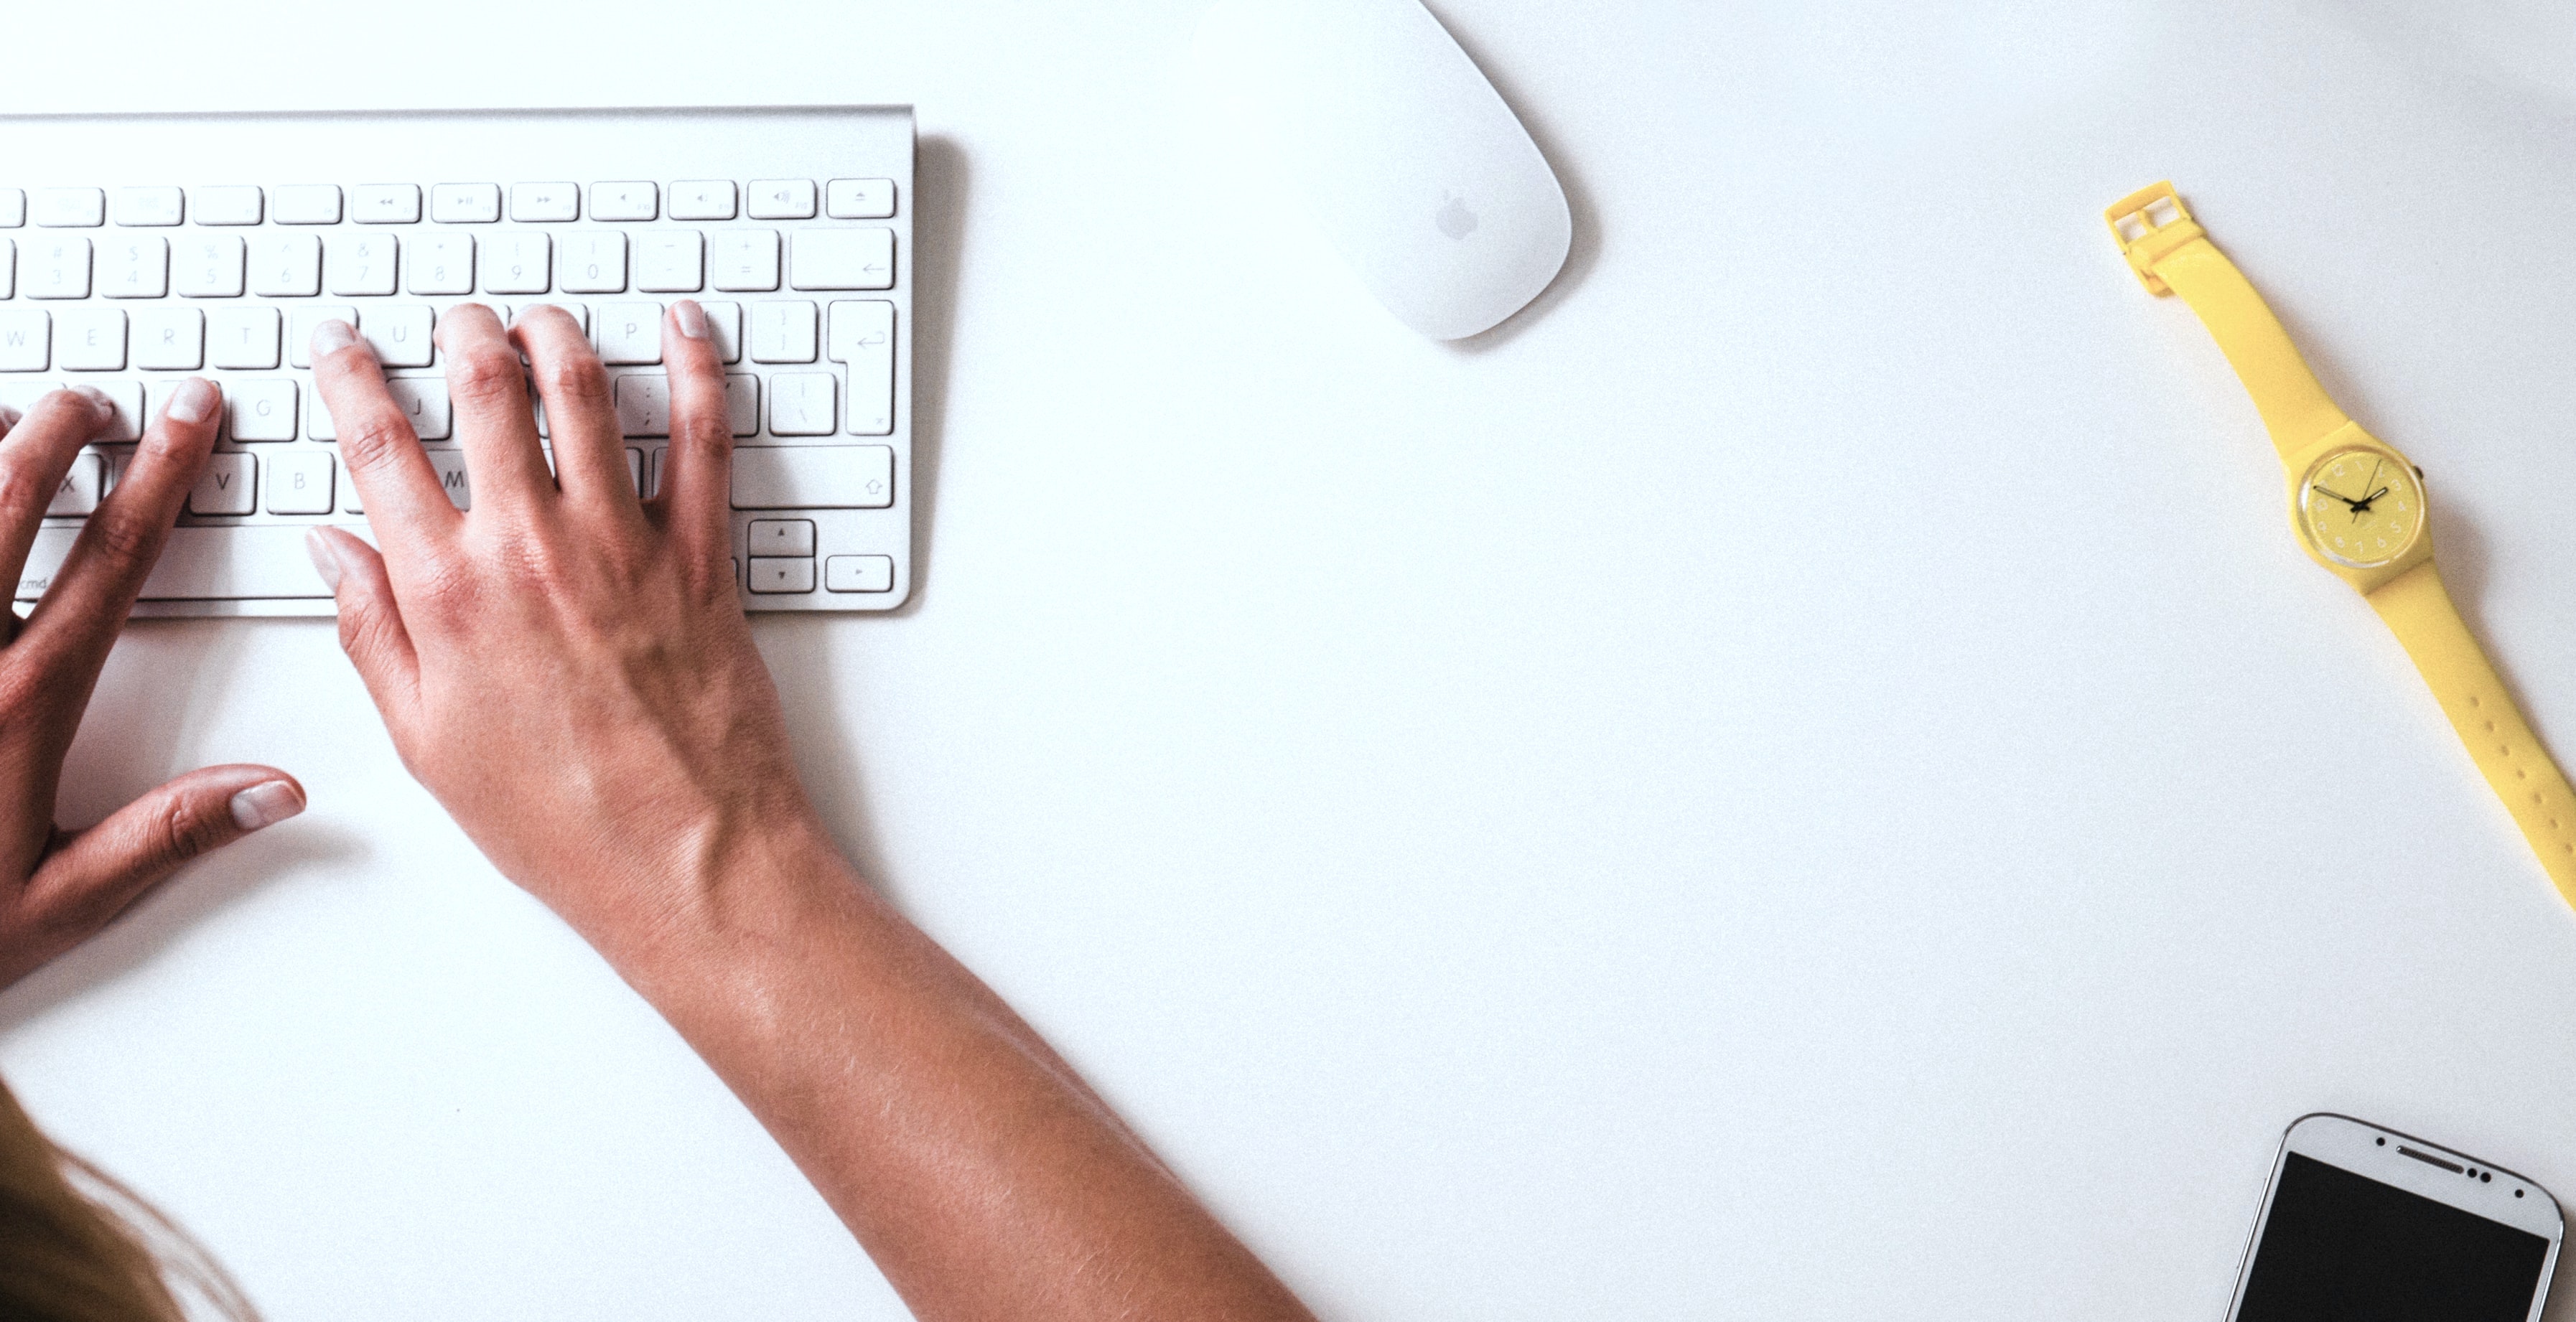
[{"x": 448, "y": 204}]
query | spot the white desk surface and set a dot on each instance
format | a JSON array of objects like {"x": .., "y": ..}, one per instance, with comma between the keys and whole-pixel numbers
[{"x": 1804, "y": 779}]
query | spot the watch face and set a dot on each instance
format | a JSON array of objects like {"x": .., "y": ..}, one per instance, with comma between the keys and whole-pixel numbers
[{"x": 2361, "y": 508}]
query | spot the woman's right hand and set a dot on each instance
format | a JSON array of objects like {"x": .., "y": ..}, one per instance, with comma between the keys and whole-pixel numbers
[{"x": 565, "y": 666}]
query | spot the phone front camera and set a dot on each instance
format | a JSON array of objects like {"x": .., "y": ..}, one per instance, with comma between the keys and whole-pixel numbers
[
  {"x": 2383, "y": 1142},
  {"x": 2488, "y": 1178}
]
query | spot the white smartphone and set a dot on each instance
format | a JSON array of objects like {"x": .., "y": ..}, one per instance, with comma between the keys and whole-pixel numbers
[{"x": 2364, "y": 1224}]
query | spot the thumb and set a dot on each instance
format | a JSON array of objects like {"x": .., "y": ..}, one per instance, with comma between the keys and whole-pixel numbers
[
  {"x": 91, "y": 876},
  {"x": 371, "y": 628}
]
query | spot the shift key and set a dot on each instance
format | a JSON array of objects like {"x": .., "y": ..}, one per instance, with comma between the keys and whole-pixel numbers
[{"x": 789, "y": 477}]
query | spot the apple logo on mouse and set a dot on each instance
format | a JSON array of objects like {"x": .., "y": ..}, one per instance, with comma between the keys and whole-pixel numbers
[{"x": 1453, "y": 217}]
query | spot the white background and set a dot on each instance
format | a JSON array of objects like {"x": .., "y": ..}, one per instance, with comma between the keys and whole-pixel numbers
[{"x": 1804, "y": 778}]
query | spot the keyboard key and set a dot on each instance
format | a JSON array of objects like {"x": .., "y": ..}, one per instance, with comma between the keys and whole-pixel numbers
[
  {"x": 26, "y": 339},
  {"x": 801, "y": 404},
  {"x": 169, "y": 339},
  {"x": 125, "y": 417},
  {"x": 702, "y": 199},
  {"x": 243, "y": 337},
  {"x": 398, "y": 332},
  {"x": 787, "y": 477},
  {"x": 516, "y": 262},
  {"x": 450, "y": 467},
  {"x": 441, "y": 262},
  {"x": 208, "y": 266},
  {"x": 51, "y": 267},
  {"x": 226, "y": 562},
  {"x": 149, "y": 206},
  {"x": 134, "y": 266},
  {"x": 260, "y": 409},
  {"x": 423, "y": 399},
  {"x": 593, "y": 262},
  {"x": 8, "y": 268},
  {"x": 780, "y": 537},
  {"x": 299, "y": 328},
  {"x": 465, "y": 204},
  {"x": 644, "y": 404},
  {"x": 70, "y": 208},
  {"x": 383, "y": 204},
  {"x": 90, "y": 339},
  {"x": 13, "y": 208},
  {"x": 545, "y": 202},
  {"x": 225, "y": 485},
  {"x": 635, "y": 469},
  {"x": 226, "y": 204},
  {"x": 360, "y": 264},
  {"x": 306, "y": 204},
  {"x": 863, "y": 337},
  {"x": 772, "y": 575},
  {"x": 746, "y": 260},
  {"x": 859, "y": 573},
  {"x": 670, "y": 262},
  {"x": 782, "y": 331},
  {"x": 299, "y": 482},
  {"x": 630, "y": 333},
  {"x": 859, "y": 199},
  {"x": 742, "y": 403},
  {"x": 156, "y": 401},
  {"x": 781, "y": 199},
  {"x": 724, "y": 325},
  {"x": 286, "y": 265},
  {"x": 629, "y": 199},
  {"x": 81, "y": 487},
  {"x": 841, "y": 259},
  {"x": 579, "y": 312}
]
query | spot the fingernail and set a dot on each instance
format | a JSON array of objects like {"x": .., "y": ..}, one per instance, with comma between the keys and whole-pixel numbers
[
  {"x": 332, "y": 336},
  {"x": 266, "y": 804},
  {"x": 98, "y": 400},
  {"x": 326, "y": 558},
  {"x": 194, "y": 400},
  {"x": 692, "y": 318}
]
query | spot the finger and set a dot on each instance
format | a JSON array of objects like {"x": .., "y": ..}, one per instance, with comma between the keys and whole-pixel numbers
[
  {"x": 581, "y": 418},
  {"x": 490, "y": 391},
  {"x": 34, "y": 454},
  {"x": 377, "y": 445},
  {"x": 9, "y": 416},
  {"x": 697, "y": 471},
  {"x": 371, "y": 626},
  {"x": 93, "y": 875},
  {"x": 81, "y": 613}
]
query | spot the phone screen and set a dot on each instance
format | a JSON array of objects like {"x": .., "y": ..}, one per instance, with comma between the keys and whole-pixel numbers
[{"x": 2340, "y": 1247}]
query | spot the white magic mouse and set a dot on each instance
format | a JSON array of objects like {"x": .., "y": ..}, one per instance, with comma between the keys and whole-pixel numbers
[{"x": 1409, "y": 159}]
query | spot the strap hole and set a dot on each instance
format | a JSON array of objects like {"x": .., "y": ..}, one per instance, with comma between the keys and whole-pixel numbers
[
  {"x": 2162, "y": 212},
  {"x": 2132, "y": 227}
]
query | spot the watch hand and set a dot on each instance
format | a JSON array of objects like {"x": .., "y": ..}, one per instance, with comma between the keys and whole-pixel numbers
[{"x": 2320, "y": 486}]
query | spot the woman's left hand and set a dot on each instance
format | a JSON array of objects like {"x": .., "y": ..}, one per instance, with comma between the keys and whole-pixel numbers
[{"x": 57, "y": 887}]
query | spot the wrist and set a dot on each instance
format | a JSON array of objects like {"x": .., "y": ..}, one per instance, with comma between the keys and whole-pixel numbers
[{"x": 751, "y": 874}]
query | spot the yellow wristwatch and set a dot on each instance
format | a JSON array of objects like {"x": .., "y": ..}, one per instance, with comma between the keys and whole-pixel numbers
[{"x": 2358, "y": 507}]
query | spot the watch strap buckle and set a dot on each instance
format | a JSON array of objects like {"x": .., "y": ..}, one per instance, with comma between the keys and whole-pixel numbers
[{"x": 2149, "y": 225}]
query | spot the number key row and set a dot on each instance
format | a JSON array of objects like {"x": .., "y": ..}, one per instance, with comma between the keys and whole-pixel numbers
[{"x": 366, "y": 264}]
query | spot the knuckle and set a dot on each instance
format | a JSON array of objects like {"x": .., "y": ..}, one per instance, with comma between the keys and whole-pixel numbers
[
  {"x": 123, "y": 539},
  {"x": 370, "y": 442},
  {"x": 484, "y": 374},
  {"x": 576, "y": 379},
  {"x": 179, "y": 834},
  {"x": 21, "y": 489}
]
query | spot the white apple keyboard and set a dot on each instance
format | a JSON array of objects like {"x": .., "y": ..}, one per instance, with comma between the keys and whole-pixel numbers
[{"x": 138, "y": 250}]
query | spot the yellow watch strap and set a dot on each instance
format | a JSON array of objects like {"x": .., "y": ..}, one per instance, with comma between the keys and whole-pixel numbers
[
  {"x": 2419, "y": 611},
  {"x": 2172, "y": 254}
]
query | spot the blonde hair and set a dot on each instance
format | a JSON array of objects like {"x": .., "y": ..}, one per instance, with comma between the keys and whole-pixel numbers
[{"x": 78, "y": 1246}]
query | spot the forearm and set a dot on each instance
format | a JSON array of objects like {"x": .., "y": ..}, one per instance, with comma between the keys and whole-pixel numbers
[{"x": 979, "y": 1171}]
